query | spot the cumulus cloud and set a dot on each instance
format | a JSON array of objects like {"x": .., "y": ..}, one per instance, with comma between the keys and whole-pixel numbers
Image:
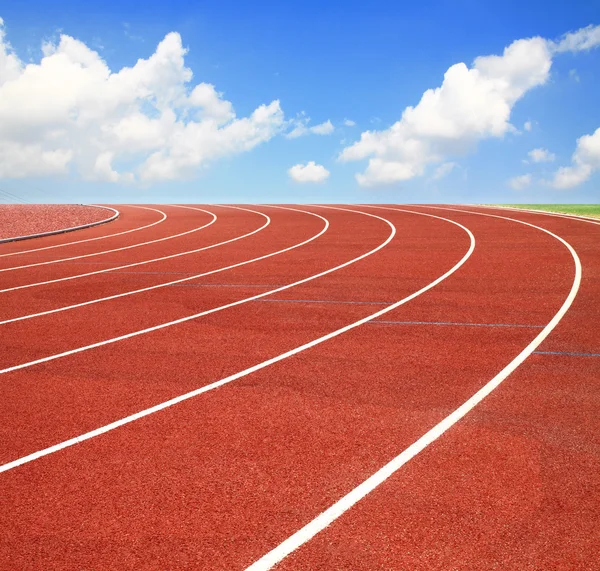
[
  {"x": 472, "y": 104},
  {"x": 527, "y": 126},
  {"x": 520, "y": 182},
  {"x": 323, "y": 129},
  {"x": 541, "y": 156},
  {"x": 349, "y": 123},
  {"x": 581, "y": 40},
  {"x": 70, "y": 112},
  {"x": 585, "y": 160},
  {"x": 310, "y": 172},
  {"x": 301, "y": 128},
  {"x": 10, "y": 64}
]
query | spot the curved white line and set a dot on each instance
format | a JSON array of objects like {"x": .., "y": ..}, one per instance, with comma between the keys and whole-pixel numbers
[
  {"x": 65, "y": 230},
  {"x": 188, "y": 278},
  {"x": 264, "y": 364},
  {"x": 92, "y": 254},
  {"x": 332, "y": 513},
  {"x": 143, "y": 262},
  {"x": 181, "y": 320},
  {"x": 91, "y": 239}
]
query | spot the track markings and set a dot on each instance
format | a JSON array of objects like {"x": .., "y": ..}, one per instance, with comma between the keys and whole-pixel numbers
[
  {"x": 215, "y": 309},
  {"x": 325, "y": 301},
  {"x": 129, "y": 419},
  {"x": 225, "y": 285},
  {"x": 92, "y": 254},
  {"x": 92, "y": 239},
  {"x": 453, "y": 323},
  {"x": 327, "y": 517},
  {"x": 567, "y": 353},
  {"x": 112, "y": 270},
  {"x": 192, "y": 277}
]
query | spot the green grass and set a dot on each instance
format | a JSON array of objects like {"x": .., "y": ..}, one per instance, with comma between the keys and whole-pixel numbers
[{"x": 581, "y": 209}]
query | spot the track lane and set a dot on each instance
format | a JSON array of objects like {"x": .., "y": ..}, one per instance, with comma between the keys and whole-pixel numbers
[
  {"x": 14, "y": 387},
  {"x": 494, "y": 491},
  {"x": 53, "y": 271},
  {"x": 13, "y": 391},
  {"x": 161, "y": 471},
  {"x": 325, "y": 435},
  {"x": 235, "y": 225},
  {"x": 64, "y": 330},
  {"x": 68, "y": 225},
  {"x": 122, "y": 224},
  {"x": 183, "y": 282},
  {"x": 120, "y": 248},
  {"x": 282, "y": 316},
  {"x": 577, "y": 334}
]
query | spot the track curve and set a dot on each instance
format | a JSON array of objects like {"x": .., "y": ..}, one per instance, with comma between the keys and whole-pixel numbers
[
  {"x": 218, "y": 481},
  {"x": 83, "y": 240}
]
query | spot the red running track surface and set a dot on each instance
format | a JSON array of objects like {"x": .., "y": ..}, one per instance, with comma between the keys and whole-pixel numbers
[
  {"x": 25, "y": 219},
  {"x": 223, "y": 478}
]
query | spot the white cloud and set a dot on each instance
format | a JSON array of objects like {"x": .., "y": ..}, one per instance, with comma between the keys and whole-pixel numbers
[
  {"x": 443, "y": 170},
  {"x": 349, "y": 123},
  {"x": 10, "y": 64},
  {"x": 574, "y": 75},
  {"x": 527, "y": 126},
  {"x": 583, "y": 39},
  {"x": 586, "y": 159},
  {"x": 472, "y": 104},
  {"x": 323, "y": 129},
  {"x": 310, "y": 172},
  {"x": 142, "y": 123},
  {"x": 210, "y": 104},
  {"x": 301, "y": 128},
  {"x": 541, "y": 156},
  {"x": 520, "y": 182},
  {"x": 298, "y": 131},
  {"x": 569, "y": 177}
]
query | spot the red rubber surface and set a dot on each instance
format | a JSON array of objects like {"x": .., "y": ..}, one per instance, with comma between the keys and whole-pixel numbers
[
  {"x": 63, "y": 245},
  {"x": 25, "y": 219},
  {"x": 221, "y": 479}
]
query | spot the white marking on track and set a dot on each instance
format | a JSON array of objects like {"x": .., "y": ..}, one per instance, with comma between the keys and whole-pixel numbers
[
  {"x": 188, "y": 278},
  {"x": 332, "y": 513},
  {"x": 143, "y": 262},
  {"x": 164, "y": 217},
  {"x": 196, "y": 315},
  {"x": 245, "y": 372},
  {"x": 139, "y": 244}
]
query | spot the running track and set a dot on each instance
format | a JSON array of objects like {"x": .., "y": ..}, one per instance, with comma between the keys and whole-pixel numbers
[{"x": 323, "y": 356}]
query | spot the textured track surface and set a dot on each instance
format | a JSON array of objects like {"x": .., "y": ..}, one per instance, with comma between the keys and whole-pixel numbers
[
  {"x": 220, "y": 479},
  {"x": 23, "y": 220}
]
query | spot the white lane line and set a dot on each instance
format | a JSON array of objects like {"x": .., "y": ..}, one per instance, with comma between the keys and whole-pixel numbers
[
  {"x": 206, "y": 312},
  {"x": 139, "y": 244},
  {"x": 114, "y": 216},
  {"x": 192, "y": 277},
  {"x": 92, "y": 239},
  {"x": 324, "y": 519},
  {"x": 143, "y": 262},
  {"x": 264, "y": 364}
]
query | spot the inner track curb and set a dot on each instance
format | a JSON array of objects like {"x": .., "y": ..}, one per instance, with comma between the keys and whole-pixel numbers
[{"x": 65, "y": 230}]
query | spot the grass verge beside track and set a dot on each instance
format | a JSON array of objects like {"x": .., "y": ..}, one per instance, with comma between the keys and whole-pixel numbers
[{"x": 580, "y": 209}]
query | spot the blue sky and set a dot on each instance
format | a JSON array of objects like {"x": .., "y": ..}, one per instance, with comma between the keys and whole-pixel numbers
[{"x": 362, "y": 61}]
